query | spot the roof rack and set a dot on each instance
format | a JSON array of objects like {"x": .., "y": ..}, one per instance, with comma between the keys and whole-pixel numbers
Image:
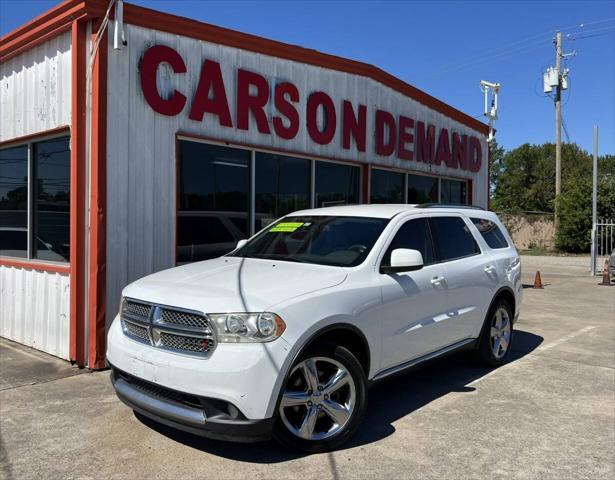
[{"x": 449, "y": 205}]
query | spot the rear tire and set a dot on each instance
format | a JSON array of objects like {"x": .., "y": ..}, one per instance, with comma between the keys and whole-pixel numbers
[
  {"x": 323, "y": 400},
  {"x": 496, "y": 338}
]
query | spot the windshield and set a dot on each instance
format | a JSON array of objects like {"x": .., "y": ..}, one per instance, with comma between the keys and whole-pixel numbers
[{"x": 324, "y": 240}]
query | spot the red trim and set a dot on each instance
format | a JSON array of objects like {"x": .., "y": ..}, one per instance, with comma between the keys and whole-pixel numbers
[
  {"x": 77, "y": 198},
  {"x": 97, "y": 293},
  {"x": 51, "y": 23},
  {"x": 165, "y": 22},
  {"x": 35, "y": 265},
  {"x": 35, "y": 136}
]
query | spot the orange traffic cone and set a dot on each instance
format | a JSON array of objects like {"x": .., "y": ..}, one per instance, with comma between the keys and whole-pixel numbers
[
  {"x": 537, "y": 280},
  {"x": 606, "y": 278}
]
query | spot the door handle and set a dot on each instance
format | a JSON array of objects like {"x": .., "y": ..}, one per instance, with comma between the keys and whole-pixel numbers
[
  {"x": 489, "y": 269},
  {"x": 437, "y": 281}
]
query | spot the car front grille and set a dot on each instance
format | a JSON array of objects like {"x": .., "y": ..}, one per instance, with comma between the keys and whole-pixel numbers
[{"x": 168, "y": 328}]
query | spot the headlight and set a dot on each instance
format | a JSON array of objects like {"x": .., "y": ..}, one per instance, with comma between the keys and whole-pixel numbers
[{"x": 247, "y": 327}]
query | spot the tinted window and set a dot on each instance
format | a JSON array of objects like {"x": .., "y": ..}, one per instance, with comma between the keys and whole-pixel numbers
[
  {"x": 422, "y": 189},
  {"x": 52, "y": 199},
  {"x": 336, "y": 184},
  {"x": 453, "y": 191},
  {"x": 213, "y": 185},
  {"x": 413, "y": 234},
  {"x": 325, "y": 240},
  {"x": 452, "y": 238},
  {"x": 386, "y": 187},
  {"x": 491, "y": 233},
  {"x": 282, "y": 186},
  {"x": 14, "y": 201}
]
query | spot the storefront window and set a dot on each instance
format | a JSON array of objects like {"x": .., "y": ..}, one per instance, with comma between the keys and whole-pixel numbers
[
  {"x": 49, "y": 225},
  {"x": 213, "y": 185},
  {"x": 14, "y": 201},
  {"x": 453, "y": 191},
  {"x": 52, "y": 200},
  {"x": 282, "y": 186},
  {"x": 422, "y": 189},
  {"x": 386, "y": 186},
  {"x": 336, "y": 184}
]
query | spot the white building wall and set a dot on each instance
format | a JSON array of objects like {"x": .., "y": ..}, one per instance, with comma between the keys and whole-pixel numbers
[
  {"x": 35, "y": 89},
  {"x": 35, "y": 309},
  {"x": 141, "y": 158},
  {"x": 35, "y": 96}
]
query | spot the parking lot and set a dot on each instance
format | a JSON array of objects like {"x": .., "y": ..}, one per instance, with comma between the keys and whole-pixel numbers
[{"x": 548, "y": 413}]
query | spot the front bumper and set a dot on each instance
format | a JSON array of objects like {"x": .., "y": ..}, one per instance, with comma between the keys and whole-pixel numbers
[
  {"x": 247, "y": 375},
  {"x": 202, "y": 416}
]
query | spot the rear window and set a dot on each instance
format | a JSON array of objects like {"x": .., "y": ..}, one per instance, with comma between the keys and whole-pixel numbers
[
  {"x": 491, "y": 233},
  {"x": 452, "y": 238}
]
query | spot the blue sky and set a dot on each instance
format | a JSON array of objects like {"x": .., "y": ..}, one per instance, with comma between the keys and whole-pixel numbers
[{"x": 442, "y": 47}]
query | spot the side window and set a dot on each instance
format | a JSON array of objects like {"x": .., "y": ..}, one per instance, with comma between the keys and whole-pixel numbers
[
  {"x": 413, "y": 234},
  {"x": 452, "y": 238},
  {"x": 490, "y": 232}
]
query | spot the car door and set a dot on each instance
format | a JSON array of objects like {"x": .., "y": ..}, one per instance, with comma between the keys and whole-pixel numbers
[
  {"x": 412, "y": 302},
  {"x": 469, "y": 283}
]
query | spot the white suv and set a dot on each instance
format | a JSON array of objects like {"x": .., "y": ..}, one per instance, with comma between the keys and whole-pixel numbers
[{"x": 283, "y": 335}]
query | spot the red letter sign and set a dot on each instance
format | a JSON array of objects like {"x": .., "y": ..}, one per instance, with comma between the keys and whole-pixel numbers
[
  {"x": 247, "y": 102},
  {"x": 405, "y": 136},
  {"x": 443, "y": 152},
  {"x": 354, "y": 125},
  {"x": 475, "y": 154},
  {"x": 152, "y": 58},
  {"x": 211, "y": 79},
  {"x": 425, "y": 143},
  {"x": 326, "y": 135},
  {"x": 287, "y": 109},
  {"x": 460, "y": 151},
  {"x": 385, "y": 119}
]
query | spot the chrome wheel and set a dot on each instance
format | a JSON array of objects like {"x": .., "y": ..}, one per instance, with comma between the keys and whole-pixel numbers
[
  {"x": 500, "y": 333},
  {"x": 319, "y": 399}
]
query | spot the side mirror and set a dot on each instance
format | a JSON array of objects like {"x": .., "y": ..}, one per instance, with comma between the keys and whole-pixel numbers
[
  {"x": 241, "y": 243},
  {"x": 403, "y": 260}
]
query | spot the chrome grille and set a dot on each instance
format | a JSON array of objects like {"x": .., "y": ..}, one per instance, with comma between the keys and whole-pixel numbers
[
  {"x": 167, "y": 328},
  {"x": 137, "y": 309},
  {"x": 184, "y": 343},
  {"x": 176, "y": 317},
  {"x": 134, "y": 330}
]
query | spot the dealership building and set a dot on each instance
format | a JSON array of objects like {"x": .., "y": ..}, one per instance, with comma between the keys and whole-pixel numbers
[{"x": 149, "y": 140}]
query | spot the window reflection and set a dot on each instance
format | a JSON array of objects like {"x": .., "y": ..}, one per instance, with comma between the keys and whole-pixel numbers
[
  {"x": 453, "y": 191},
  {"x": 52, "y": 200},
  {"x": 422, "y": 189},
  {"x": 336, "y": 184},
  {"x": 213, "y": 185},
  {"x": 282, "y": 186},
  {"x": 14, "y": 201},
  {"x": 386, "y": 186}
]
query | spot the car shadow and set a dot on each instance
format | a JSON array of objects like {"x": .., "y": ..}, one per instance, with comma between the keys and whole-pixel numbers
[{"x": 389, "y": 400}]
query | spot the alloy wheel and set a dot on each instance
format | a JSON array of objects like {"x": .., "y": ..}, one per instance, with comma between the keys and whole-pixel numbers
[
  {"x": 319, "y": 399},
  {"x": 500, "y": 333}
]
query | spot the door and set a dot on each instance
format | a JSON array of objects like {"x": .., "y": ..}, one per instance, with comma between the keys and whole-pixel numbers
[
  {"x": 469, "y": 283},
  {"x": 413, "y": 302}
]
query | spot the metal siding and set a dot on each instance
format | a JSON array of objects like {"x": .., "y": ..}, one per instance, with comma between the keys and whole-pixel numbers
[
  {"x": 35, "y": 309},
  {"x": 141, "y": 143},
  {"x": 35, "y": 89}
]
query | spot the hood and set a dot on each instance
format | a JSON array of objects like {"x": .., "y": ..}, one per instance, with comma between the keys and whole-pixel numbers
[{"x": 233, "y": 284}]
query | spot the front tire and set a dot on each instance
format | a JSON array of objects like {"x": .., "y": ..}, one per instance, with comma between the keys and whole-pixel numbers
[
  {"x": 496, "y": 339},
  {"x": 323, "y": 400}
]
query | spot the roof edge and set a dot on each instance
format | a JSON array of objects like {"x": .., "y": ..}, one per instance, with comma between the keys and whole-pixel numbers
[{"x": 58, "y": 18}]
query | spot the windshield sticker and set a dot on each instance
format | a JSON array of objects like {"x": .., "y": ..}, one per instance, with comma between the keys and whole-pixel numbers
[{"x": 288, "y": 227}]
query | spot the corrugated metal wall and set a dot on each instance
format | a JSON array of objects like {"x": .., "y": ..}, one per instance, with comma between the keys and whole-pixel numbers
[
  {"x": 35, "y": 89},
  {"x": 34, "y": 309},
  {"x": 141, "y": 143}
]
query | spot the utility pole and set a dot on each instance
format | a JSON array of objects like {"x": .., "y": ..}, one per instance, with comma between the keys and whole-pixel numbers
[
  {"x": 558, "y": 125},
  {"x": 594, "y": 200}
]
